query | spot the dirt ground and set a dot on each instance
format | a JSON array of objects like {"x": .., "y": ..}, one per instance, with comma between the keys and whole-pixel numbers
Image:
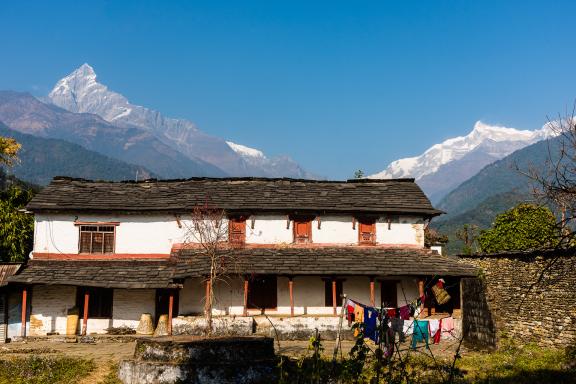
[{"x": 107, "y": 354}]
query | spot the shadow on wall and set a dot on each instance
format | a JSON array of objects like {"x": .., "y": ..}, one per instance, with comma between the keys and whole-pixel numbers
[{"x": 478, "y": 325}]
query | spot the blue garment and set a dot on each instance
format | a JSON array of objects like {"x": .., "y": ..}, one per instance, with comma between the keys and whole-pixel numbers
[
  {"x": 370, "y": 324},
  {"x": 420, "y": 333}
]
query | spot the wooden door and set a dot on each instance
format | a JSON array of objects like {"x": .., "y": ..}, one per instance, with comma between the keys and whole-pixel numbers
[
  {"x": 389, "y": 293},
  {"x": 237, "y": 231},
  {"x": 262, "y": 292}
]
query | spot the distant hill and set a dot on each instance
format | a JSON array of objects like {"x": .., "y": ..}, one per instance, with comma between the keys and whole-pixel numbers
[
  {"x": 43, "y": 158},
  {"x": 496, "y": 188}
]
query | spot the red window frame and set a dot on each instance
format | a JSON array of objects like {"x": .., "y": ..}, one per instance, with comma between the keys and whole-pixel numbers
[
  {"x": 366, "y": 232},
  {"x": 237, "y": 231},
  {"x": 302, "y": 231}
]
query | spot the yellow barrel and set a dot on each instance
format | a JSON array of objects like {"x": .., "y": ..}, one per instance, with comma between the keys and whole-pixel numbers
[{"x": 72, "y": 322}]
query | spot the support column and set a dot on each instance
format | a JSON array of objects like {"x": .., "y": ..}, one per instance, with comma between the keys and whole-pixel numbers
[
  {"x": 334, "y": 307},
  {"x": 421, "y": 291},
  {"x": 24, "y": 302},
  {"x": 291, "y": 289},
  {"x": 372, "y": 294},
  {"x": 245, "y": 296},
  {"x": 208, "y": 303},
  {"x": 85, "y": 313},
  {"x": 170, "y": 311}
]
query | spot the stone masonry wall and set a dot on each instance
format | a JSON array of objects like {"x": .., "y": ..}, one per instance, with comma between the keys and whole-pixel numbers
[{"x": 530, "y": 299}]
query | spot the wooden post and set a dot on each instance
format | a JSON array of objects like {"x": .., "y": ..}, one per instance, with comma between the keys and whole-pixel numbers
[
  {"x": 372, "y": 295},
  {"x": 208, "y": 303},
  {"x": 334, "y": 296},
  {"x": 170, "y": 310},
  {"x": 291, "y": 289},
  {"x": 421, "y": 291},
  {"x": 245, "y": 296},
  {"x": 24, "y": 302},
  {"x": 85, "y": 314}
]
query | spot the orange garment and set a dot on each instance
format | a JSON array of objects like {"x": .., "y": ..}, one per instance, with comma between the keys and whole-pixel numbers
[{"x": 358, "y": 317}]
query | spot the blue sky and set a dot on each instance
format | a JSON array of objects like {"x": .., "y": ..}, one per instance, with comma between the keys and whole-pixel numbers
[{"x": 337, "y": 85}]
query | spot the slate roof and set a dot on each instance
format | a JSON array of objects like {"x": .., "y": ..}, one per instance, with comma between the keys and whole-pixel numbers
[
  {"x": 234, "y": 194},
  {"x": 363, "y": 261},
  {"x": 7, "y": 270},
  {"x": 375, "y": 261},
  {"x": 111, "y": 274}
]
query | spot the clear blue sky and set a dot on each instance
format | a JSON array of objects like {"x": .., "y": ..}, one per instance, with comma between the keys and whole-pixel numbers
[{"x": 337, "y": 85}]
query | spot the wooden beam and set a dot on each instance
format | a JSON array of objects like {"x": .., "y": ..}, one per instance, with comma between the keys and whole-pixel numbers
[
  {"x": 85, "y": 313},
  {"x": 245, "y": 296},
  {"x": 291, "y": 289},
  {"x": 207, "y": 304},
  {"x": 24, "y": 302},
  {"x": 334, "y": 296},
  {"x": 170, "y": 311},
  {"x": 372, "y": 295}
]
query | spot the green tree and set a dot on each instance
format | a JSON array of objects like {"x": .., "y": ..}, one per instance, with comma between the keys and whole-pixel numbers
[
  {"x": 16, "y": 228},
  {"x": 524, "y": 227},
  {"x": 8, "y": 151}
]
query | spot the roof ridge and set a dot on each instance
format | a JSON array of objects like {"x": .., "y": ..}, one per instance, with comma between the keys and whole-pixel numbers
[{"x": 245, "y": 178}]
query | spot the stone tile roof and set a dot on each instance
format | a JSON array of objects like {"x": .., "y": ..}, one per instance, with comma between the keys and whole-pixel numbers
[
  {"x": 112, "y": 274},
  {"x": 7, "y": 270},
  {"x": 248, "y": 194},
  {"x": 375, "y": 261}
]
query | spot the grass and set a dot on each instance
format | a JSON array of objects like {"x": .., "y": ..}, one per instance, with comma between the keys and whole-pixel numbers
[
  {"x": 112, "y": 376},
  {"x": 37, "y": 369}
]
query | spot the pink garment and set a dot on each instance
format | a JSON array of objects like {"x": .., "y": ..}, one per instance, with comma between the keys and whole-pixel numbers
[
  {"x": 434, "y": 328},
  {"x": 447, "y": 327}
]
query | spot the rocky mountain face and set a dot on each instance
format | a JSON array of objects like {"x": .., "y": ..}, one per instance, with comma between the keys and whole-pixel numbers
[
  {"x": 24, "y": 113},
  {"x": 40, "y": 159},
  {"x": 80, "y": 92},
  {"x": 444, "y": 166}
]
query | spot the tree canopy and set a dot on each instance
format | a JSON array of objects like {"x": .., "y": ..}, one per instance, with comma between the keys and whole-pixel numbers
[
  {"x": 524, "y": 227},
  {"x": 16, "y": 228},
  {"x": 8, "y": 150}
]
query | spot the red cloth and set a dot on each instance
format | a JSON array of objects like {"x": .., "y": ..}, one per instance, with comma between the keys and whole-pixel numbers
[
  {"x": 405, "y": 312},
  {"x": 350, "y": 305},
  {"x": 391, "y": 313}
]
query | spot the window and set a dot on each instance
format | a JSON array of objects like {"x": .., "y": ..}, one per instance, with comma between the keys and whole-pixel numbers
[
  {"x": 262, "y": 292},
  {"x": 237, "y": 231},
  {"x": 366, "y": 232},
  {"x": 328, "y": 292},
  {"x": 389, "y": 293},
  {"x": 97, "y": 238},
  {"x": 99, "y": 301},
  {"x": 302, "y": 231}
]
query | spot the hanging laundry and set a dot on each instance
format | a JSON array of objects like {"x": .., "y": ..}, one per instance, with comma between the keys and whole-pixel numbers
[
  {"x": 405, "y": 312},
  {"x": 408, "y": 328},
  {"x": 420, "y": 333},
  {"x": 447, "y": 327},
  {"x": 358, "y": 316},
  {"x": 435, "y": 331},
  {"x": 350, "y": 305},
  {"x": 370, "y": 324},
  {"x": 391, "y": 312},
  {"x": 397, "y": 326}
]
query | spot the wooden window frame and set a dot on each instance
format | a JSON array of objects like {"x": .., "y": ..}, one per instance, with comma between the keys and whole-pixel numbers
[
  {"x": 295, "y": 237},
  {"x": 98, "y": 305},
  {"x": 84, "y": 228},
  {"x": 232, "y": 237},
  {"x": 372, "y": 224}
]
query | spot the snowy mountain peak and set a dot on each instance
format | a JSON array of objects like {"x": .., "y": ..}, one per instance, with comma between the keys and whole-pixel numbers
[
  {"x": 245, "y": 151},
  {"x": 495, "y": 140}
]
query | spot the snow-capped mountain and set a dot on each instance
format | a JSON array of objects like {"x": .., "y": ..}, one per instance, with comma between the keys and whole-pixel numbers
[
  {"x": 81, "y": 92},
  {"x": 444, "y": 166}
]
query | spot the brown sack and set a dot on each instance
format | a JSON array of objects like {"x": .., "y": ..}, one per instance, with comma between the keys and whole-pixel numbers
[{"x": 442, "y": 297}]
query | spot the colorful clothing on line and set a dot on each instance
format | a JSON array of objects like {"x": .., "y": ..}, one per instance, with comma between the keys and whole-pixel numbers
[
  {"x": 358, "y": 316},
  {"x": 420, "y": 333},
  {"x": 350, "y": 305},
  {"x": 435, "y": 331},
  {"x": 405, "y": 312},
  {"x": 370, "y": 324},
  {"x": 397, "y": 326},
  {"x": 447, "y": 327}
]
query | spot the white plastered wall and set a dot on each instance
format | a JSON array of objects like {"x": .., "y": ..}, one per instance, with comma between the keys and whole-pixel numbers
[
  {"x": 50, "y": 305},
  {"x": 139, "y": 234}
]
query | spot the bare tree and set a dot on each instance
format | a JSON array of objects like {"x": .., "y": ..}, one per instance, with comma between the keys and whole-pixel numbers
[
  {"x": 555, "y": 183},
  {"x": 208, "y": 230}
]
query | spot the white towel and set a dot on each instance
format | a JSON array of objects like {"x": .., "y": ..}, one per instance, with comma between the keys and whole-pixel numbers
[{"x": 433, "y": 326}]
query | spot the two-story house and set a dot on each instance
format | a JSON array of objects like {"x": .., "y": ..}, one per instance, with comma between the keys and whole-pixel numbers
[{"x": 116, "y": 250}]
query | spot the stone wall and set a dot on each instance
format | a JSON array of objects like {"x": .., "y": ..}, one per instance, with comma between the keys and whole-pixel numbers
[{"x": 528, "y": 297}]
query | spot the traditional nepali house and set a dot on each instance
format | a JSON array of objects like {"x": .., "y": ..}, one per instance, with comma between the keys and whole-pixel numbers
[{"x": 116, "y": 250}]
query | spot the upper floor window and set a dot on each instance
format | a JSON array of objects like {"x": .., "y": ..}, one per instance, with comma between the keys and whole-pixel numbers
[
  {"x": 366, "y": 232},
  {"x": 97, "y": 238},
  {"x": 237, "y": 231},
  {"x": 302, "y": 231}
]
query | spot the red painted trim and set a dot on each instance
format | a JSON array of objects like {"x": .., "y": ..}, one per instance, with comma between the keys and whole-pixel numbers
[
  {"x": 23, "y": 319},
  {"x": 115, "y": 223},
  {"x": 179, "y": 246},
  {"x": 98, "y": 256}
]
